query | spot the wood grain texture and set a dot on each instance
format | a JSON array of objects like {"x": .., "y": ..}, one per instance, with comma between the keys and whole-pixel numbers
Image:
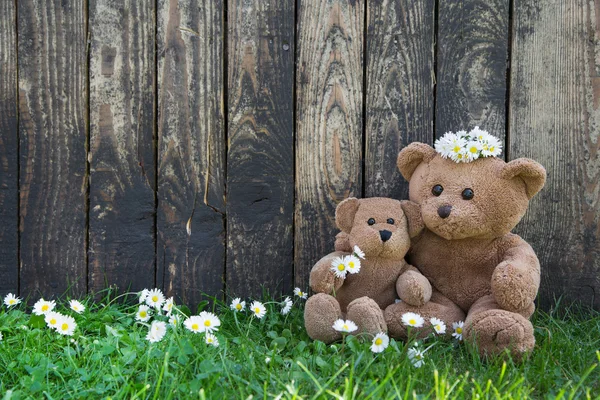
[
  {"x": 555, "y": 119},
  {"x": 121, "y": 224},
  {"x": 472, "y": 59},
  {"x": 9, "y": 239},
  {"x": 400, "y": 85},
  {"x": 329, "y": 123},
  {"x": 53, "y": 181},
  {"x": 191, "y": 158},
  {"x": 260, "y": 162}
]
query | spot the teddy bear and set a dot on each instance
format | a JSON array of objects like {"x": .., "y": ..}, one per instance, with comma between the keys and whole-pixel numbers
[
  {"x": 379, "y": 228},
  {"x": 466, "y": 249}
]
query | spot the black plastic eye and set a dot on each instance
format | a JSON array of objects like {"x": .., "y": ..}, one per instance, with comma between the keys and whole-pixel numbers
[
  {"x": 437, "y": 190},
  {"x": 390, "y": 221},
  {"x": 468, "y": 194},
  {"x": 371, "y": 221}
]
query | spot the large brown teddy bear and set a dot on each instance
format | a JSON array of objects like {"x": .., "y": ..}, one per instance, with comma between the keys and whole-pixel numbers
[
  {"x": 380, "y": 228},
  {"x": 466, "y": 249}
]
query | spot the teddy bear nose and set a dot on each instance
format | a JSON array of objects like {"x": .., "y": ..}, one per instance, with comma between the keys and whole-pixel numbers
[
  {"x": 444, "y": 211},
  {"x": 385, "y": 235}
]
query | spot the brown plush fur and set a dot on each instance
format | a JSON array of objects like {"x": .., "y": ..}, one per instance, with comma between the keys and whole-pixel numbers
[
  {"x": 362, "y": 297},
  {"x": 470, "y": 256}
]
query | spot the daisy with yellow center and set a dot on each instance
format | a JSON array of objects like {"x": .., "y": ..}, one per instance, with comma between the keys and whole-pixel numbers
[
  {"x": 380, "y": 343},
  {"x": 42, "y": 307},
  {"x": 76, "y": 306},
  {"x": 194, "y": 324},
  {"x": 174, "y": 320},
  {"x": 416, "y": 357},
  {"x": 11, "y": 300},
  {"x": 352, "y": 263},
  {"x": 52, "y": 319},
  {"x": 438, "y": 325},
  {"x": 339, "y": 267},
  {"x": 208, "y": 322},
  {"x": 238, "y": 305},
  {"x": 258, "y": 309},
  {"x": 143, "y": 313},
  {"x": 66, "y": 325},
  {"x": 155, "y": 298},
  {"x": 211, "y": 340},
  {"x": 344, "y": 326},
  {"x": 412, "y": 319},
  {"x": 458, "y": 329},
  {"x": 300, "y": 293}
]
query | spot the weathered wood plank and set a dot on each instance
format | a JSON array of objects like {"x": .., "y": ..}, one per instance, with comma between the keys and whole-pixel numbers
[
  {"x": 400, "y": 84},
  {"x": 329, "y": 123},
  {"x": 555, "y": 119},
  {"x": 260, "y": 162},
  {"x": 191, "y": 158},
  {"x": 472, "y": 59},
  {"x": 122, "y": 175},
  {"x": 53, "y": 181},
  {"x": 8, "y": 151}
]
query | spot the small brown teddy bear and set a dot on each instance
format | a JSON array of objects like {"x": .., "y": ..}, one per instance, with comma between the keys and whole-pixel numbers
[
  {"x": 466, "y": 249},
  {"x": 380, "y": 228}
]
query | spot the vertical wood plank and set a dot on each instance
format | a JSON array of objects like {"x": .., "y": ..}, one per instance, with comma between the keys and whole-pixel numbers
[
  {"x": 52, "y": 61},
  {"x": 8, "y": 150},
  {"x": 121, "y": 157},
  {"x": 555, "y": 119},
  {"x": 260, "y": 163},
  {"x": 191, "y": 158},
  {"x": 472, "y": 59},
  {"x": 400, "y": 85},
  {"x": 329, "y": 85}
]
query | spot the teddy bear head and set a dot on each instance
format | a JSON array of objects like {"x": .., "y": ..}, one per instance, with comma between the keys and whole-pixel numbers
[
  {"x": 485, "y": 198},
  {"x": 378, "y": 226}
]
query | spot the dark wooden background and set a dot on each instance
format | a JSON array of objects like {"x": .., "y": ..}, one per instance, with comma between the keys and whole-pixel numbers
[{"x": 202, "y": 146}]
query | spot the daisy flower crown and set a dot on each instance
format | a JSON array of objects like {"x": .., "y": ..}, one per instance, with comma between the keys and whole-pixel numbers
[{"x": 464, "y": 146}]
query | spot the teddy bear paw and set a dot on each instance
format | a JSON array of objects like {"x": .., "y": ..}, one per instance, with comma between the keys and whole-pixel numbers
[
  {"x": 365, "y": 312},
  {"x": 320, "y": 313},
  {"x": 494, "y": 331}
]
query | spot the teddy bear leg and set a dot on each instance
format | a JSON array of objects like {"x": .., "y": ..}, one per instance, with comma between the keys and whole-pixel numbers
[
  {"x": 494, "y": 330},
  {"x": 365, "y": 312},
  {"x": 320, "y": 312},
  {"x": 439, "y": 307}
]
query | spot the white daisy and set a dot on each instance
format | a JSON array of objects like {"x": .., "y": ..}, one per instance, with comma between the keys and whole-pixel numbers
[
  {"x": 444, "y": 146},
  {"x": 52, "y": 318},
  {"x": 416, "y": 357},
  {"x": 194, "y": 324},
  {"x": 142, "y": 295},
  {"x": 458, "y": 329},
  {"x": 174, "y": 320},
  {"x": 209, "y": 322},
  {"x": 462, "y": 134},
  {"x": 344, "y": 326},
  {"x": 143, "y": 313},
  {"x": 479, "y": 134},
  {"x": 11, "y": 300},
  {"x": 300, "y": 293},
  {"x": 237, "y": 304},
  {"x": 211, "y": 339},
  {"x": 358, "y": 252},
  {"x": 76, "y": 306},
  {"x": 157, "y": 331},
  {"x": 339, "y": 267},
  {"x": 43, "y": 307},
  {"x": 492, "y": 147},
  {"x": 460, "y": 155},
  {"x": 155, "y": 298},
  {"x": 287, "y": 306},
  {"x": 267, "y": 360},
  {"x": 474, "y": 148},
  {"x": 412, "y": 319},
  {"x": 66, "y": 325},
  {"x": 352, "y": 264},
  {"x": 258, "y": 309},
  {"x": 168, "y": 306},
  {"x": 438, "y": 326},
  {"x": 380, "y": 343}
]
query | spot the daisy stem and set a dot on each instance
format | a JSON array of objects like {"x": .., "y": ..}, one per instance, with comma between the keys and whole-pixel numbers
[
  {"x": 342, "y": 351},
  {"x": 249, "y": 325}
]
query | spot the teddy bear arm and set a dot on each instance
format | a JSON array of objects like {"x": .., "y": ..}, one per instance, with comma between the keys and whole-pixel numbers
[
  {"x": 322, "y": 279},
  {"x": 413, "y": 287},
  {"x": 516, "y": 280}
]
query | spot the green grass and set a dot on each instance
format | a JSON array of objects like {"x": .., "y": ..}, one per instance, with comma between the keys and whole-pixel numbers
[{"x": 109, "y": 357}]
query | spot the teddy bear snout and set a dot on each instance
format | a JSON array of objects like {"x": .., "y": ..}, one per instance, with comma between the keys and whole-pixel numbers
[
  {"x": 444, "y": 211},
  {"x": 385, "y": 235}
]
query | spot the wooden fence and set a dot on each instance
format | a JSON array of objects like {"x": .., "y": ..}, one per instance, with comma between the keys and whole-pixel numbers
[{"x": 202, "y": 145}]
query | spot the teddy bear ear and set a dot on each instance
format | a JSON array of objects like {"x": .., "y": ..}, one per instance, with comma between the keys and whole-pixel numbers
[
  {"x": 412, "y": 211},
  {"x": 412, "y": 155},
  {"x": 344, "y": 214},
  {"x": 531, "y": 172}
]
